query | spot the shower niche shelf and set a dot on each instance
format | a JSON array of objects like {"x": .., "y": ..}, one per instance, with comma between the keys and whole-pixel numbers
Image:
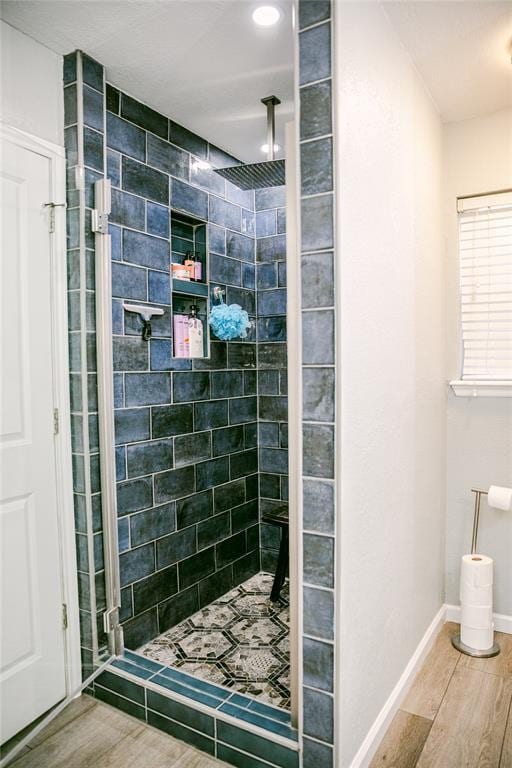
[
  {"x": 189, "y": 236},
  {"x": 189, "y": 288}
]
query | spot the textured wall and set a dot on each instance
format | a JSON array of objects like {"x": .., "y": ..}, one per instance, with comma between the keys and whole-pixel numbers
[
  {"x": 186, "y": 433},
  {"x": 31, "y": 97},
  {"x": 393, "y": 389}
]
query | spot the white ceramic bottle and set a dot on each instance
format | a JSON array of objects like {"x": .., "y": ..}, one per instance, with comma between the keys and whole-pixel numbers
[{"x": 195, "y": 333}]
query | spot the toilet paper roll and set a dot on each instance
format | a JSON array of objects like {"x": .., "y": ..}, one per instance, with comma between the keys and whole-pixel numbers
[
  {"x": 500, "y": 498},
  {"x": 476, "y": 580},
  {"x": 471, "y": 595},
  {"x": 479, "y": 639},
  {"x": 476, "y": 624},
  {"x": 476, "y": 616},
  {"x": 476, "y": 570}
]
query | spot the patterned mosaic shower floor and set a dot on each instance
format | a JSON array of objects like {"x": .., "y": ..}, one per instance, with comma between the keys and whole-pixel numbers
[{"x": 240, "y": 641}]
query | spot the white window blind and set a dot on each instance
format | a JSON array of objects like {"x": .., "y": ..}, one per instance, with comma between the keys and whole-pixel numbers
[{"x": 485, "y": 252}]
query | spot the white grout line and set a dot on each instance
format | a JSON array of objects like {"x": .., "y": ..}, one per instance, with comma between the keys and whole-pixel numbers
[{"x": 316, "y": 138}]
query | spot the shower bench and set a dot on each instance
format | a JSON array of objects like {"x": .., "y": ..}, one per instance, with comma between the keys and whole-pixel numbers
[{"x": 279, "y": 516}]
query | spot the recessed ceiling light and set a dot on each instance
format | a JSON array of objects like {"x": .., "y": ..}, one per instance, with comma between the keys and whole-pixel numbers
[
  {"x": 266, "y": 15},
  {"x": 264, "y": 148}
]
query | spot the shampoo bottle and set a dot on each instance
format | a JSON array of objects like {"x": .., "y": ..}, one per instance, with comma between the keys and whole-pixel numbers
[
  {"x": 181, "y": 343},
  {"x": 190, "y": 265},
  {"x": 198, "y": 267},
  {"x": 195, "y": 333}
]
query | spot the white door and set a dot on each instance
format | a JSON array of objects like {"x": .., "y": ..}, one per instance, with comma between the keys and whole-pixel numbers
[{"x": 32, "y": 662}]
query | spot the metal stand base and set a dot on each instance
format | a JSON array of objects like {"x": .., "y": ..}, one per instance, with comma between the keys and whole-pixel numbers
[{"x": 460, "y": 646}]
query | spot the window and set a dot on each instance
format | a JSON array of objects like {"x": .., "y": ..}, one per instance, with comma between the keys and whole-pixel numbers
[{"x": 485, "y": 259}]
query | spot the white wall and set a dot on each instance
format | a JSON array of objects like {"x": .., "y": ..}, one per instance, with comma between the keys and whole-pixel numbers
[
  {"x": 393, "y": 393},
  {"x": 31, "y": 86},
  {"x": 477, "y": 158}
]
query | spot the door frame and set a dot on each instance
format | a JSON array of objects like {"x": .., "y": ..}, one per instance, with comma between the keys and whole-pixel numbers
[{"x": 60, "y": 373}]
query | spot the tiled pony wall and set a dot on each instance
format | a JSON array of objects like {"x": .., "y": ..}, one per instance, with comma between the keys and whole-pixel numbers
[
  {"x": 318, "y": 380},
  {"x": 83, "y": 118}
]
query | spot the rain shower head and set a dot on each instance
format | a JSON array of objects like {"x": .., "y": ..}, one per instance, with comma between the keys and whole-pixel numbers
[
  {"x": 255, "y": 175},
  {"x": 259, "y": 175}
]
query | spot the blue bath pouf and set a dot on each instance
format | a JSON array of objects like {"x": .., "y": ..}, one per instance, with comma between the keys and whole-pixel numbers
[{"x": 229, "y": 321}]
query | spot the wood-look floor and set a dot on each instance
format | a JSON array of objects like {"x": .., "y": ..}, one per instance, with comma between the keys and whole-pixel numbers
[
  {"x": 457, "y": 714},
  {"x": 91, "y": 734}
]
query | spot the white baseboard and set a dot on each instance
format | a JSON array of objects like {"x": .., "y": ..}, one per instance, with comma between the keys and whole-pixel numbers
[
  {"x": 376, "y": 733},
  {"x": 502, "y": 622},
  {"x": 365, "y": 753}
]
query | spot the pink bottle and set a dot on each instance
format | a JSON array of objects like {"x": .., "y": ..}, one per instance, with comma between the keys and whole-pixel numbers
[
  {"x": 198, "y": 268},
  {"x": 181, "y": 343}
]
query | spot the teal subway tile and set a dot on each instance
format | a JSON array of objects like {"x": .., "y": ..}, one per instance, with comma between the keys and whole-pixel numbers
[
  {"x": 313, "y": 11},
  {"x": 316, "y": 754},
  {"x": 240, "y": 759},
  {"x": 315, "y": 54},
  {"x": 273, "y": 712},
  {"x": 257, "y": 745},
  {"x": 135, "y": 710},
  {"x": 254, "y": 718},
  {"x": 133, "y": 669},
  {"x": 142, "y": 661},
  {"x": 239, "y": 700},
  {"x": 189, "y": 716},
  {"x": 195, "y": 682},
  {"x": 181, "y": 732},
  {"x": 184, "y": 690},
  {"x": 318, "y": 715},
  {"x": 120, "y": 685}
]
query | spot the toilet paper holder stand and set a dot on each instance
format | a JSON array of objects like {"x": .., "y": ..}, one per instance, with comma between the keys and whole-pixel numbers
[
  {"x": 456, "y": 641},
  {"x": 476, "y": 518}
]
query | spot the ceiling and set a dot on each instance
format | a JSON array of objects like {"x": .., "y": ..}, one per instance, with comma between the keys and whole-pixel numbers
[
  {"x": 462, "y": 50},
  {"x": 207, "y": 65},
  {"x": 202, "y": 62}
]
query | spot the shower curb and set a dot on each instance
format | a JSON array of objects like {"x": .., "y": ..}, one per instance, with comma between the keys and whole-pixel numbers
[{"x": 210, "y": 718}]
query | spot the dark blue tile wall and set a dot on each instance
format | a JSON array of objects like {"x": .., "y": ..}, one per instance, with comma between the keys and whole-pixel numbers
[
  {"x": 318, "y": 381},
  {"x": 165, "y": 514},
  {"x": 270, "y": 223},
  {"x": 185, "y": 433},
  {"x": 83, "y": 83}
]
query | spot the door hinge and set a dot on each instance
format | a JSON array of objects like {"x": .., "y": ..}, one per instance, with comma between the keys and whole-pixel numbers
[
  {"x": 55, "y": 421},
  {"x": 99, "y": 222},
  {"x": 111, "y": 620},
  {"x": 114, "y": 631},
  {"x": 52, "y": 207},
  {"x": 64, "y": 616},
  {"x": 102, "y": 207}
]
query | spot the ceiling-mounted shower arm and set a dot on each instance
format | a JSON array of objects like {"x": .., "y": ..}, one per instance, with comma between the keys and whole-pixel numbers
[
  {"x": 269, "y": 173},
  {"x": 271, "y": 102}
]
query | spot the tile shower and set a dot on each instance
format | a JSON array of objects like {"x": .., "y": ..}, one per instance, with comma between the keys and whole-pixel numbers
[
  {"x": 168, "y": 495},
  {"x": 191, "y": 436}
]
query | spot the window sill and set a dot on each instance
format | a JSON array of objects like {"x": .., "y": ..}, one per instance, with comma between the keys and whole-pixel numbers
[{"x": 482, "y": 388}]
